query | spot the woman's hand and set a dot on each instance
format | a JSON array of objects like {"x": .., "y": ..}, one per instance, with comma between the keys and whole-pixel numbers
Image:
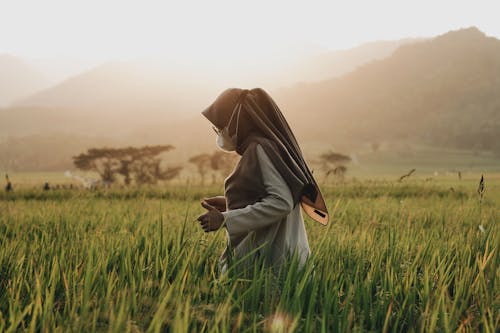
[
  {"x": 218, "y": 202},
  {"x": 211, "y": 220}
]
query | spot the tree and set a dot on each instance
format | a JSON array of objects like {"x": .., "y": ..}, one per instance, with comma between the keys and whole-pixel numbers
[
  {"x": 202, "y": 163},
  {"x": 340, "y": 171},
  {"x": 334, "y": 163},
  {"x": 100, "y": 160},
  {"x": 141, "y": 164},
  {"x": 218, "y": 162},
  {"x": 222, "y": 162}
]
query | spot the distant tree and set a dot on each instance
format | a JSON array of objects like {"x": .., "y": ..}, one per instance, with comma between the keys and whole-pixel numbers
[
  {"x": 334, "y": 163},
  {"x": 125, "y": 170},
  {"x": 144, "y": 166},
  {"x": 150, "y": 172},
  {"x": 340, "y": 171},
  {"x": 104, "y": 161},
  {"x": 139, "y": 164},
  {"x": 218, "y": 162},
  {"x": 203, "y": 164},
  {"x": 334, "y": 158},
  {"x": 222, "y": 162}
]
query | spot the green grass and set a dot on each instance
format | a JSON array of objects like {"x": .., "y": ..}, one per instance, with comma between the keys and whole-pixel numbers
[{"x": 398, "y": 257}]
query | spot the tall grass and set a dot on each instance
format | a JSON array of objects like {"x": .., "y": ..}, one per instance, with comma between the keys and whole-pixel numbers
[{"x": 397, "y": 257}]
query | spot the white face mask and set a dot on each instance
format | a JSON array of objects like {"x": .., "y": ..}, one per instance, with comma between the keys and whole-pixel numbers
[{"x": 224, "y": 141}]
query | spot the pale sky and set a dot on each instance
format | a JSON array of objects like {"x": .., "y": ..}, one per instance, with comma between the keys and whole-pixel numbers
[{"x": 217, "y": 30}]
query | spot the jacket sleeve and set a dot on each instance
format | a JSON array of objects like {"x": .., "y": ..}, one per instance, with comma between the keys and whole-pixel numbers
[{"x": 271, "y": 209}]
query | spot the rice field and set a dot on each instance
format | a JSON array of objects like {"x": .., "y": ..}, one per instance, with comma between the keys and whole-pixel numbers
[{"x": 416, "y": 256}]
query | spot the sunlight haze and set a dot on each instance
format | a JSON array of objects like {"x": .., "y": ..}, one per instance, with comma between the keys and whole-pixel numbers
[
  {"x": 164, "y": 166},
  {"x": 376, "y": 73},
  {"x": 221, "y": 31}
]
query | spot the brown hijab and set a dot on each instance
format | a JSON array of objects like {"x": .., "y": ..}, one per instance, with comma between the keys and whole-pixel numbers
[{"x": 258, "y": 118}]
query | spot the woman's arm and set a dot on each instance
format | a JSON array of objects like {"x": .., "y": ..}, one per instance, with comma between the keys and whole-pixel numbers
[{"x": 277, "y": 204}]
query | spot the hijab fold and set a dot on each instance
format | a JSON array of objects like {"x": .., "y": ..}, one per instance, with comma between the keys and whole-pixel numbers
[{"x": 258, "y": 119}]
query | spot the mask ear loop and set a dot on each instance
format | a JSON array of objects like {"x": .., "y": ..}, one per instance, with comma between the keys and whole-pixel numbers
[
  {"x": 231, "y": 118},
  {"x": 239, "y": 105},
  {"x": 238, "y": 119},
  {"x": 237, "y": 110}
]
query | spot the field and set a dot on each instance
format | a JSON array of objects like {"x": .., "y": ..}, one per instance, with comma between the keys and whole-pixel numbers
[{"x": 420, "y": 256}]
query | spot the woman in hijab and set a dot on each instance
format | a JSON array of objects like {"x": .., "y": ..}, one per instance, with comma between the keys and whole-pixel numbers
[{"x": 260, "y": 208}]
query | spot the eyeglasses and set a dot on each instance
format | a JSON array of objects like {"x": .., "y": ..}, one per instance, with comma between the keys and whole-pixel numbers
[{"x": 218, "y": 131}]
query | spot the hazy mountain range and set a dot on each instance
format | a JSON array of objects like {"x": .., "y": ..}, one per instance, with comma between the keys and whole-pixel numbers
[
  {"x": 441, "y": 91},
  {"x": 18, "y": 79},
  {"x": 444, "y": 91},
  {"x": 127, "y": 89}
]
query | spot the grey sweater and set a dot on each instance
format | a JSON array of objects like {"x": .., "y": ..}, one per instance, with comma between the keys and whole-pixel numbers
[{"x": 272, "y": 223}]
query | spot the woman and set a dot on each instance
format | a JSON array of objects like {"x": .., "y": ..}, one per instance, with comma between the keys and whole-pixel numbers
[{"x": 260, "y": 208}]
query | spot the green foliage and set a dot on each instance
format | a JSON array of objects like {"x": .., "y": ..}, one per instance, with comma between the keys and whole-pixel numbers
[{"x": 397, "y": 257}]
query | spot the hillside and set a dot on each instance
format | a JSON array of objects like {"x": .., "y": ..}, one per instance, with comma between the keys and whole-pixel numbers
[
  {"x": 18, "y": 79},
  {"x": 121, "y": 88},
  {"x": 46, "y": 152},
  {"x": 333, "y": 64},
  {"x": 441, "y": 92},
  {"x": 444, "y": 91},
  {"x": 145, "y": 103},
  {"x": 115, "y": 100},
  {"x": 134, "y": 86}
]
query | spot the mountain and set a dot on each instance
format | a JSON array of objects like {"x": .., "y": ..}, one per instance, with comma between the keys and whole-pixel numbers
[
  {"x": 58, "y": 68},
  {"x": 148, "y": 102},
  {"x": 18, "y": 79},
  {"x": 132, "y": 86},
  {"x": 443, "y": 91},
  {"x": 439, "y": 92},
  {"x": 47, "y": 152},
  {"x": 114, "y": 99},
  {"x": 121, "y": 88},
  {"x": 332, "y": 64}
]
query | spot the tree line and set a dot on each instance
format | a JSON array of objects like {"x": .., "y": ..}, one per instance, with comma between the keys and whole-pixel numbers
[{"x": 144, "y": 165}]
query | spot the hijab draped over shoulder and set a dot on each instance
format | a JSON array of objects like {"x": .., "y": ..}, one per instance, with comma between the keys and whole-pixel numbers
[{"x": 258, "y": 119}]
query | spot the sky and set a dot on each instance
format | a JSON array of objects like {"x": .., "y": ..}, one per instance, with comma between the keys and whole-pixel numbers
[{"x": 215, "y": 31}]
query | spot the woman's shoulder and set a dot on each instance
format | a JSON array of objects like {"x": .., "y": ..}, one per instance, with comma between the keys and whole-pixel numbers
[
  {"x": 251, "y": 150},
  {"x": 258, "y": 149}
]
